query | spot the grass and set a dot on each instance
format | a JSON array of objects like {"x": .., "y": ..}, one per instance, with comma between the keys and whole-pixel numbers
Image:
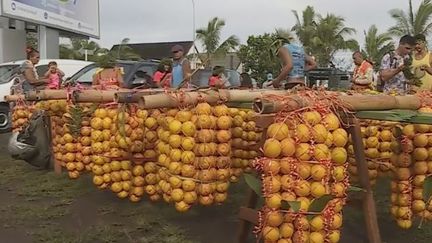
[
  {"x": 390, "y": 232},
  {"x": 40, "y": 204},
  {"x": 46, "y": 207}
]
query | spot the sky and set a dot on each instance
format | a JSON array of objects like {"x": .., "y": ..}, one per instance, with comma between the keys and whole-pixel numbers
[{"x": 172, "y": 20}]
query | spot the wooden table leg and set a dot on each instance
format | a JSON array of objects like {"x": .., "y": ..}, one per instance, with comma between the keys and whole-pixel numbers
[
  {"x": 247, "y": 216},
  {"x": 369, "y": 209}
]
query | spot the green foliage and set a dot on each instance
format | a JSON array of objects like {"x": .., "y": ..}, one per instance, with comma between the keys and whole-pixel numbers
[
  {"x": 293, "y": 205},
  {"x": 376, "y": 45},
  {"x": 323, "y": 36},
  {"x": 75, "y": 50},
  {"x": 124, "y": 52},
  {"x": 319, "y": 204},
  {"x": 410, "y": 22},
  {"x": 258, "y": 55},
  {"x": 32, "y": 40},
  {"x": 254, "y": 183},
  {"x": 210, "y": 38}
]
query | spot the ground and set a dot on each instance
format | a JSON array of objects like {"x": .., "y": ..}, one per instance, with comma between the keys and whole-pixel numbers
[{"x": 40, "y": 206}]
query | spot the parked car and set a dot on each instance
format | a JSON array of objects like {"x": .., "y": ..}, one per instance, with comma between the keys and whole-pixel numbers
[
  {"x": 11, "y": 69},
  {"x": 201, "y": 78},
  {"x": 136, "y": 74}
]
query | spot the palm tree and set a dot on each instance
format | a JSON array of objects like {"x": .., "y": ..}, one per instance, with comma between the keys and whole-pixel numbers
[
  {"x": 305, "y": 29},
  {"x": 331, "y": 35},
  {"x": 211, "y": 39},
  {"x": 77, "y": 48},
  {"x": 124, "y": 52},
  {"x": 322, "y": 36},
  {"x": 376, "y": 45},
  {"x": 412, "y": 23}
]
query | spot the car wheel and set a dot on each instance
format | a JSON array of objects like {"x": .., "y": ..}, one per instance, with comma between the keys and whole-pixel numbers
[{"x": 5, "y": 118}]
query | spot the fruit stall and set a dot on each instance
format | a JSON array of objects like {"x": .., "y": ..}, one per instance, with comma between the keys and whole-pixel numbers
[{"x": 301, "y": 151}]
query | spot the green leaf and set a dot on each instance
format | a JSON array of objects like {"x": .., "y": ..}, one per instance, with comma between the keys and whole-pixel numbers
[
  {"x": 254, "y": 183},
  {"x": 294, "y": 205},
  {"x": 356, "y": 189},
  {"x": 319, "y": 204},
  {"x": 427, "y": 189},
  {"x": 397, "y": 131}
]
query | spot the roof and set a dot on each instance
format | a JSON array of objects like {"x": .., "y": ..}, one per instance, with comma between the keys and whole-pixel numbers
[
  {"x": 157, "y": 50},
  {"x": 46, "y": 61}
]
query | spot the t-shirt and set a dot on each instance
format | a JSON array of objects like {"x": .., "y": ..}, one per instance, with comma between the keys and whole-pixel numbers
[
  {"x": 298, "y": 60},
  {"x": 158, "y": 76},
  {"x": 26, "y": 85},
  {"x": 214, "y": 80},
  {"x": 397, "y": 84}
]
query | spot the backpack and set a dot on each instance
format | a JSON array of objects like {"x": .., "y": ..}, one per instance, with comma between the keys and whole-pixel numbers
[{"x": 33, "y": 144}]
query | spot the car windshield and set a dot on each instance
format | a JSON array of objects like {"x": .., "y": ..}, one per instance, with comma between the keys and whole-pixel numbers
[
  {"x": 6, "y": 72},
  {"x": 86, "y": 75}
]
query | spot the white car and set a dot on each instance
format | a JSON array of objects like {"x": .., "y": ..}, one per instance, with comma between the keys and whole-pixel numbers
[{"x": 9, "y": 69}]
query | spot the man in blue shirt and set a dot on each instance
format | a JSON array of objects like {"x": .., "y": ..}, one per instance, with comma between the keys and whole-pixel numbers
[
  {"x": 181, "y": 70},
  {"x": 295, "y": 62}
]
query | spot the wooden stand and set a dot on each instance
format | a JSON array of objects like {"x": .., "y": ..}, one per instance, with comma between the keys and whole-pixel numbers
[
  {"x": 248, "y": 215},
  {"x": 369, "y": 209}
]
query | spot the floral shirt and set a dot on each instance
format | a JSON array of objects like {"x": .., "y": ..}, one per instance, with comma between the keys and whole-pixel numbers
[
  {"x": 361, "y": 73},
  {"x": 397, "y": 84}
]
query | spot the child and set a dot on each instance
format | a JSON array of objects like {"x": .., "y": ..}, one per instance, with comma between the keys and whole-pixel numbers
[
  {"x": 54, "y": 76},
  {"x": 216, "y": 80},
  {"x": 162, "y": 77}
]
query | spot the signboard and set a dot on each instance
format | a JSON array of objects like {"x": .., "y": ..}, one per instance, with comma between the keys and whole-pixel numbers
[{"x": 78, "y": 16}]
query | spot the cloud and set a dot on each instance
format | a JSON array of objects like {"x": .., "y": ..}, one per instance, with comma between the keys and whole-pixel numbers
[{"x": 171, "y": 20}]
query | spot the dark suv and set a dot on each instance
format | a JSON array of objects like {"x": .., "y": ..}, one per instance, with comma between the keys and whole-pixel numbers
[{"x": 136, "y": 74}]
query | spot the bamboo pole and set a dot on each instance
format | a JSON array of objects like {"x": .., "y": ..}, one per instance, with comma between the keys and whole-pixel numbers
[
  {"x": 13, "y": 98},
  {"x": 354, "y": 102},
  {"x": 181, "y": 99},
  {"x": 35, "y": 95},
  {"x": 133, "y": 96},
  {"x": 94, "y": 96}
]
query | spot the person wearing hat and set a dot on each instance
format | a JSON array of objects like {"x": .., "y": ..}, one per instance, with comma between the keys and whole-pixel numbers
[
  {"x": 421, "y": 64},
  {"x": 181, "y": 70},
  {"x": 295, "y": 63}
]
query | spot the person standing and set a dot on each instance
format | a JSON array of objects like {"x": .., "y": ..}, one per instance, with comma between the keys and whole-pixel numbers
[
  {"x": 181, "y": 70},
  {"x": 363, "y": 73},
  {"x": 295, "y": 63},
  {"x": 422, "y": 63},
  {"x": 393, "y": 65}
]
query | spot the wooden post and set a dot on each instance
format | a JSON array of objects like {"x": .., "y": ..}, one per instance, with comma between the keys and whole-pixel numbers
[
  {"x": 248, "y": 215},
  {"x": 369, "y": 209}
]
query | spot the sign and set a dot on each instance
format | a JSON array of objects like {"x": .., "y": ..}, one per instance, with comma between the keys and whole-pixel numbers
[{"x": 78, "y": 16}]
